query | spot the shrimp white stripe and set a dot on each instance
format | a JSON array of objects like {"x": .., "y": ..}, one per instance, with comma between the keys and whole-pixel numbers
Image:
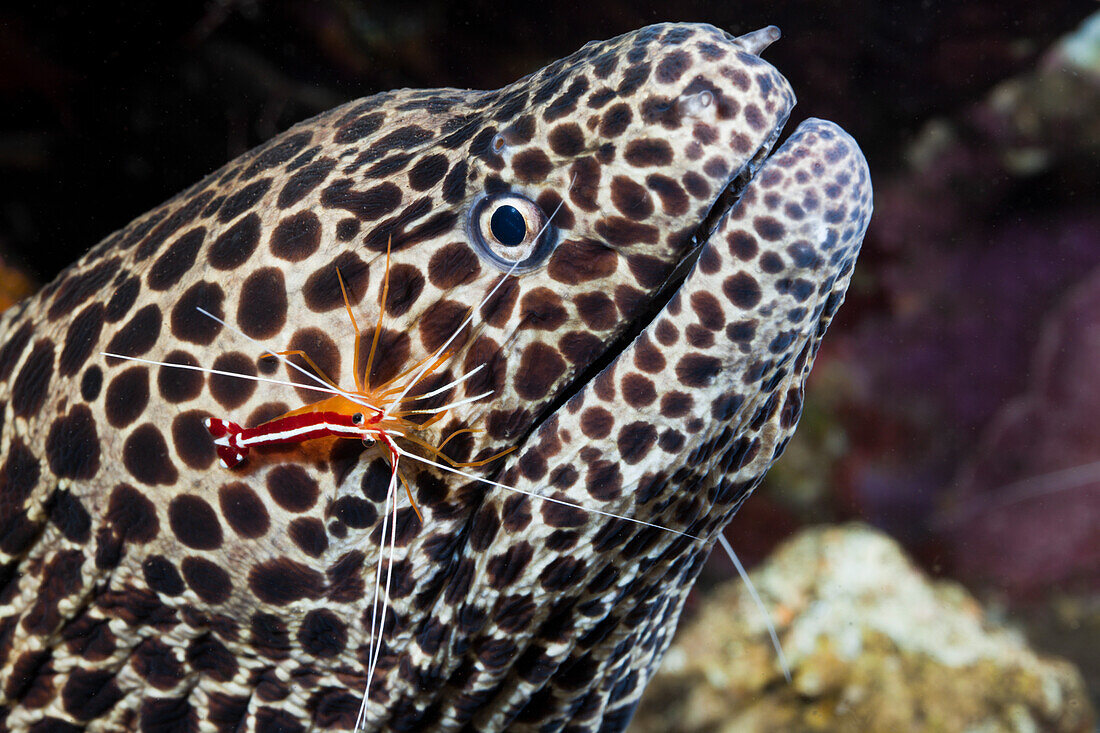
[{"x": 287, "y": 435}]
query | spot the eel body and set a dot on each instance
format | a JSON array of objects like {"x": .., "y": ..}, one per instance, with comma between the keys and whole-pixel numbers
[{"x": 646, "y": 357}]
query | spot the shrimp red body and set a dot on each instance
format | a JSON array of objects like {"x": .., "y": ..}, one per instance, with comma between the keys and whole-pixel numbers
[{"x": 233, "y": 442}]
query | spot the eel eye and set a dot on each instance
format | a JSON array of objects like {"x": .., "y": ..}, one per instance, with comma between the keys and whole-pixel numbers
[
  {"x": 357, "y": 418},
  {"x": 511, "y": 232}
]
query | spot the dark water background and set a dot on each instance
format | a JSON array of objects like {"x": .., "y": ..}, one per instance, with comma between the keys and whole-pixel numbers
[{"x": 956, "y": 403}]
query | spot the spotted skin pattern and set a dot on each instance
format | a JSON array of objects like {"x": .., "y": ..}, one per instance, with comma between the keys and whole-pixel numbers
[{"x": 142, "y": 586}]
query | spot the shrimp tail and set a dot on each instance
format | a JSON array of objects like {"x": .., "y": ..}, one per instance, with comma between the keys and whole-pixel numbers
[{"x": 227, "y": 441}]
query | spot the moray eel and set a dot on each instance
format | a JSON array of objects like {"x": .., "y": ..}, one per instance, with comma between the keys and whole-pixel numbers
[{"x": 647, "y": 357}]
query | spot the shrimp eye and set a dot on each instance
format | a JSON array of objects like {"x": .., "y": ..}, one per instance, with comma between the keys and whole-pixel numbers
[
  {"x": 368, "y": 441},
  {"x": 511, "y": 231},
  {"x": 357, "y": 418}
]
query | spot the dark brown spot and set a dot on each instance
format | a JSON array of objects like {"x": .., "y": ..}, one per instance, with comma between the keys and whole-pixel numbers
[
  {"x": 72, "y": 446},
  {"x": 193, "y": 443},
  {"x": 176, "y": 260},
  {"x": 243, "y": 200},
  {"x": 296, "y": 237},
  {"x": 453, "y": 265},
  {"x": 507, "y": 568},
  {"x": 636, "y": 440},
  {"x": 630, "y": 198},
  {"x": 210, "y": 657},
  {"x": 233, "y": 247},
  {"x": 672, "y": 66},
  {"x": 708, "y": 309},
  {"x": 209, "y": 582},
  {"x": 742, "y": 290},
  {"x": 359, "y": 128},
  {"x": 440, "y": 322},
  {"x": 427, "y": 172},
  {"x": 282, "y": 581},
  {"x": 566, "y": 139},
  {"x": 322, "y": 634},
  {"x": 649, "y": 272},
  {"x": 648, "y": 152},
  {"x": 389, "y": 359},
  {"x": 368, "y": 205},
  {"x": 540, "y": 367},
  {"x": 673, "y": 199},
  {"x": 454, "y": 184},
  {"x": 531, "y": 166},
  {"x": 145, "y": 454},
  {"x": 696, "y": 370},
  {"x": 155, "y": 661},
  {"x": 676, "y": 404},
  {"x": 91, "y": 383},
  {"x": 585, "y": 174},
  {"x": 406, "y": 284},
  {"x": 86, "y": 695},
  {"x": 768, "y": 228},
  {"x": 261, "y": 312},
  {"x": 243, "y": 510},
  {"x": 132, "y": 514},
  {"x": 623, "y": 232},
  {"x": 603, "y": 480},
  {"x": 292, "y": 488},
  {"x": 542, "y": 309},
  {"x": 581, "y": 261},
  {"x": 346, "y": 229},
  {"x": 232, "y": 392},
  {"x": 322, "y": 289},
  {"x": 596, "y": 422},
  {"x": 188, "y": 324},
  {"x": 68, "y": 514},
  {"x": 638, "y": 391},
  {"x": 304, "y": 181},
  {"x": 269, "y": 636},
  {"x": 581, "y": 347},
  {"x": 127, "y": 396},
  {"x": 596, "y": 309},
  {"x": 178, "y": 385},
  {"x": 194, "y": 522},
  {"x": 741, "y": 331},
  {"x": 28, "y": 393},
  {"x": 742, "y": 245},
  {"x": 308, "y": 533}
]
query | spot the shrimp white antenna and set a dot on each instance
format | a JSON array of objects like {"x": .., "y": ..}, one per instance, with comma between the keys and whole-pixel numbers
[
  {"x": 221, "y": 372},
  {"x": 351, "y": 396},
  {"x": 397, "y": 449},
  {"x": 759, "y": 604}
]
